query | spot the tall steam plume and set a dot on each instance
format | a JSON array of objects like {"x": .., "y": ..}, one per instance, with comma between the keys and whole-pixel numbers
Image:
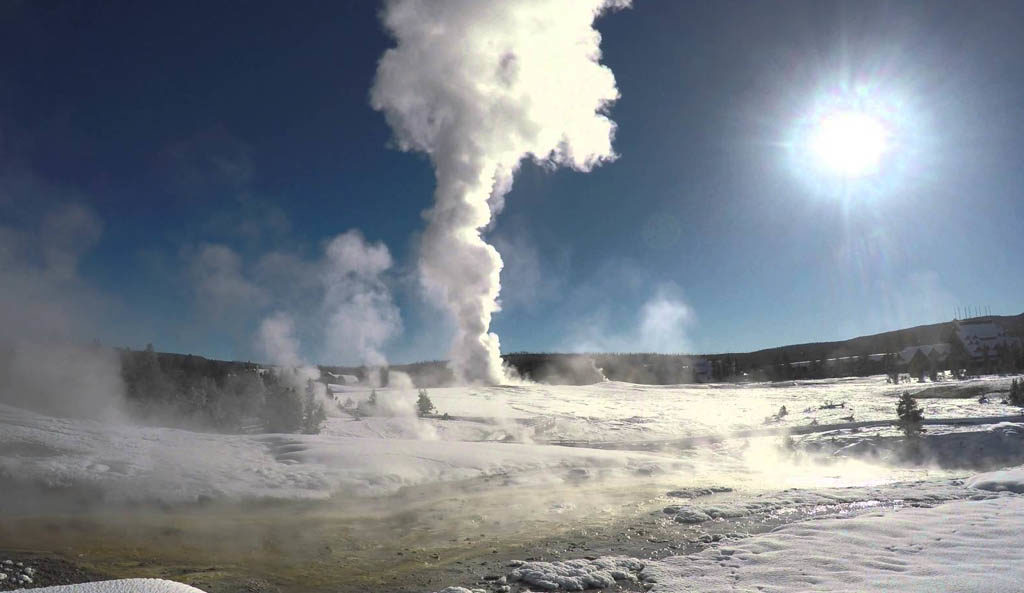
[{"x": 479, "y": 86}]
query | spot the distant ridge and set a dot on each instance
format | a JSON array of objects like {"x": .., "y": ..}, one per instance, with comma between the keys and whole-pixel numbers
[
  {"x": 650, "y": 368},
  {"x": 890, "y": 341}
]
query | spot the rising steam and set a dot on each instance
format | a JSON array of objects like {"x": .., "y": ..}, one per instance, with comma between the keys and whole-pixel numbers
[
  {"x": 48, "y": 311},
  {"x": 357, "y": 313},
  {"x": 479, "y": 86}
]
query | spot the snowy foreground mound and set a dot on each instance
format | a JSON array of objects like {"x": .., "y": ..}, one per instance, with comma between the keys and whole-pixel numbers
[
  {"x": 963, "y": 546},
  {"x": 1009, "y": 480},
  {"x": 123, "y": 586},
  {"x": 967, "y": 546}
]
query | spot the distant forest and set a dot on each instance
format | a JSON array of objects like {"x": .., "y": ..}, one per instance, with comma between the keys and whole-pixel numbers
[
  {"x": 847, "y": 358},
  {"x": 189, "y": 390},
  {"x": 195, "y": 392}
]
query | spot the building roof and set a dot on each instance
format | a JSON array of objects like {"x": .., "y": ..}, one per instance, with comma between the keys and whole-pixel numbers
[{"x": 984, "y": 336}]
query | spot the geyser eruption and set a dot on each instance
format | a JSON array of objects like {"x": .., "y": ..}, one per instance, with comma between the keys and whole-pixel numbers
[{"x": 478, "y": 86}]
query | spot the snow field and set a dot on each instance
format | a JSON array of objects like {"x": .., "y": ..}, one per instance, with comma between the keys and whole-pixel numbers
[{"x": 964, "y": 546}]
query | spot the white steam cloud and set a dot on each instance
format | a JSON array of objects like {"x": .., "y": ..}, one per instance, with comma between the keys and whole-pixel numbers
[
  {"x": 360, "y": 313},
  {"x": 46, "y": 310},
  {"x": 479, "y": 86},
  {"x": 354, "y": 308},
  {"x": 662, "y": 325},
  {"x": 276, "y": 340},
  {"x": 664, "y": 321}
]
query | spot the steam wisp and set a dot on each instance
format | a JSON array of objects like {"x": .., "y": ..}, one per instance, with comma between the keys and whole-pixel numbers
[
  {"x": 478, "y": 87},
  {"x": 46, "y": 363}
]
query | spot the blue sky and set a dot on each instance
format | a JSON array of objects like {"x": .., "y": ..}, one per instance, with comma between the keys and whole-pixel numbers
[{"x": 248, "y": 126}]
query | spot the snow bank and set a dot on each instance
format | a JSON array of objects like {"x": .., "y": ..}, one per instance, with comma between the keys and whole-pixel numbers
[
  {"x": 577, "y": 575},
  {"x": 963, "y": 546},
  {"x": 122, "y": 586},
  {"x": 1008, "y": 480},
  {"x": 795, "y": 502}
]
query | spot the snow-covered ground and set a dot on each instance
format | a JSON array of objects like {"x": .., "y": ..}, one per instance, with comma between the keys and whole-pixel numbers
[
  {"x": 131, "y": 463},
  {"x": 967, "y": 546},
  {"x": 612, "y": 410},
  {"x": 856, "y": 520},
  {"x": 509, "y": 431}
]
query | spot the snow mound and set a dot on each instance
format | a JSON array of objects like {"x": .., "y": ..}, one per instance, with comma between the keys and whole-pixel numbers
[
  {"x": 123, "y": 586},
  {"x": 1007, "y": 480},
  {"x": 687, "y": 514},
  {"x": 577, "y": 575},
  {"x": 964, "y": 546}
]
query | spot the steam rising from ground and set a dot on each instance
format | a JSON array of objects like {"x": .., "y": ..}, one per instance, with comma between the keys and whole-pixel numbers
[
  {"x": 478, "y": 87},
  {"x": 355, "y": 310},
  {"x": 361, "y": 316},
  {"x": 357, "y": 304},
  {"x": 45, "y": 309},
  {"x": 276, "y": 340}
]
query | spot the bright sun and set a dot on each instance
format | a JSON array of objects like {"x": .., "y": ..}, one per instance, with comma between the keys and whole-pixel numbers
[{"x": 849, "y": 143}]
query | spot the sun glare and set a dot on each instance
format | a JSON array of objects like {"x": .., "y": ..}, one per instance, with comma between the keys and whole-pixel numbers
[{"x": 848, "y": 143}]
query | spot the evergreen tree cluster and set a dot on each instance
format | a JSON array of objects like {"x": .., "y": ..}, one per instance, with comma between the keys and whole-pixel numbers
[{"x": 195, "y": 392}]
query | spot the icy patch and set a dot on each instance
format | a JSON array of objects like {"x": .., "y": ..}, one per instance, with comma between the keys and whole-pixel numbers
[
  {"x": 123, "y": 586},
  {"x": 687, "y": 514},
  {"x": 968, "y": 546},
  {"x": 1007, "y": 480},
  {"x": 697, "y": 492},
  {"x": 577, "y": 575},
  {"x": 822, "y": 502},
  {"x": 460, "y": 590},
  {"x": 1008, "y": 428}
]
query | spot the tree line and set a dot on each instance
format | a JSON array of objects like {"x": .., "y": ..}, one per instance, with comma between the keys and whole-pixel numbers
[{"x": 199, "y": 393}]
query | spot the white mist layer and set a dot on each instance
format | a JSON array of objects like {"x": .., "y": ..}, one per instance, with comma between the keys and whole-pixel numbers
[
  {"x": 479, "y": 87},
  {"x": 46, "y": 315}
]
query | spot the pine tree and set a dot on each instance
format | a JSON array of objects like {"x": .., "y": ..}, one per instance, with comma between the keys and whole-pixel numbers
[
  {"x": 910, "y": 415},
  {"x": 315, "y": 418},
  {"x": 1016, "y": 393},
  {"x": 423, "y": 404},
  {"x": 313, "y": 414}
]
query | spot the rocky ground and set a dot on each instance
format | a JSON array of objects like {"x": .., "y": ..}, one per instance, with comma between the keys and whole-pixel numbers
[{"x": 32, "y": 569}]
